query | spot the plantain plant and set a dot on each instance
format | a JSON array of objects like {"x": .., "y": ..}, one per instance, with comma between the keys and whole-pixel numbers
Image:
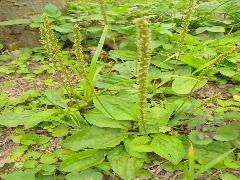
[{"x": 106, "y": 138}]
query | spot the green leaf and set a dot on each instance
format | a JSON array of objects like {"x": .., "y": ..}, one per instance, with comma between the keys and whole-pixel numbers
[
  {"x": 226, "y": 134},
  {"x": 28, "y": 139},
  {"x": 18, "y": 153},
  {"x": 165, "y": 28},
  {"x": 60, "y": 132},
  {"x": 157, "y": 118},
  {"x": 20, "y": 175},
  {"x": 83, "y": 160},
  {"x": 228, "y": 176},
  {"x": 47, "y": 169},
  {"x": 114, "y": 82},
  {"x": 137, "y": 146},
  {"x": 210, "y": 29},
  {"x": 15, "y": 22},
  {"x": 192, "y": 40},
  {"x": 1, "y": 46},
  {"x": 212, "y": 163},
  {"x": 52, "y": 10},
  {"x": 168, "y": 147},
  {"x": 30, "y": 164},
  {"x": 3, "y": 98},
  {"x": 4, "y": 58},
  {"x": 198, "y": 138},
  {"x": 49, "y": 158},
  {"x": 40, "y": 140},
  {"x": 86, "y": 138},
  {"x": 123, "y": 164},
  {"x": 227, "y": 71},
  {"x": 27, "y": 96},
  {"x": 126, "y": 55},
  {"x": 85, "y": 175},
  {"x": 204, "y": 154},
  {"x": 117, "y": 107},
  {"x": 6, "y": 69},
  {"x": 155, "y": 43},
  {"x": 93, "y": 64},
  {"x": 126, "y": 68},
  {"x": 231, "y": 163},
  {"x": 190, "y": 60},
  {"x": 56, "y": 97},
  {"x": 63, "y": 28},
  {"x": 186, "y": 85},
  {"x": 26, "y": 118},
  {"x": 97, "y": 118},
  {"x": 63, "y": 154},
  {"x": 33, "y": 154}
]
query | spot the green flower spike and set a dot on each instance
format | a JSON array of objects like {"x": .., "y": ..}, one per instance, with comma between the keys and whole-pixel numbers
[{"x": 144, "y": 57}]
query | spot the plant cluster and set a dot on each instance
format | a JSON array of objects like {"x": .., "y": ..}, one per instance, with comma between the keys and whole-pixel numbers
[{"x": 118, "y": 113}]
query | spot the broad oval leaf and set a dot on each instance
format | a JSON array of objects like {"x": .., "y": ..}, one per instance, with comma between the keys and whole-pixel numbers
[
  {"x": 226, "y": 134},
  {"x": 186, "y": 85},
  {"x": 210, "y": 29},
  {"x": 94, "y": 137},
  {"x": 63, "y": 28},
  {"x": 15, "y": 22},
  {"x": 193, "y": 61},
  {"x": 117, "y": 107},
  {"x": 27, "y": 118},
  {"x": 126, "y": 55},
  {"x": 137, "y": 146},
  {"x": 52, "y": 10},
  {"x": 20, "y": 175},
  {"x": 168, "y": 147},
  {"x": 157, "y": 119},
  {"x": 83, "y": 160},
  {"x": 86, "y": 174},
  {"x": 228, "y": 176},
  {"x": 123, "y": 164},
  {"x": 48, "y": 158},
  {"x": 56, "y": 97},
  {"x": 199, "y": 139},
  {"x": 97, "y": 118}
]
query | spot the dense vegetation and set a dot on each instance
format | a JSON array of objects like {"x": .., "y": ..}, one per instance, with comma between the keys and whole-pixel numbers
[{"x": 126, "y": 89}]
